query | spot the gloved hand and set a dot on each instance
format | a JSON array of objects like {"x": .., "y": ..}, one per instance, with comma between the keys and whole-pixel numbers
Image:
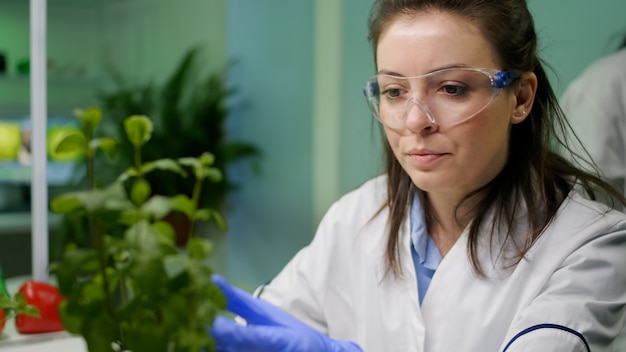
[{"x": 269, "y": 328}]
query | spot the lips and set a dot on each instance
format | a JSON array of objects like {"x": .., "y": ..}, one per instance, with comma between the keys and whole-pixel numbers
[
  {"x": 423, "y": 152},
  {"x": 424, "y": 157}
]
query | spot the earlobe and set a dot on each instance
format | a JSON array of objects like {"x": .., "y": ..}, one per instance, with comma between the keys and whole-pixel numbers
[
  {"x": 519, "y": 113},
  {"x": 518, "y": 116},
  {"x": 524, "y": 96}
]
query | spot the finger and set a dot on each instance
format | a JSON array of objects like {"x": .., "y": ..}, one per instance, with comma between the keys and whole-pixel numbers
[
  {"x": 232, "y": 337},
  {"x": 252, "y": 309}
]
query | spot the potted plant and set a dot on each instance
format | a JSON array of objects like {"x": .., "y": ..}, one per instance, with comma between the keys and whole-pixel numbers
[
  {"x": 189, "y": 112},
  {"x": 134, "y": 289}
]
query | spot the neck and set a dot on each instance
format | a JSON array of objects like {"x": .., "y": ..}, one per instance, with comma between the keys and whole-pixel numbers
[{"x": 446, "y": 222}]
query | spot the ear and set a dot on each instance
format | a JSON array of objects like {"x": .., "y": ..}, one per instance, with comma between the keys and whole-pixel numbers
[{"x": 524, "y": 93}]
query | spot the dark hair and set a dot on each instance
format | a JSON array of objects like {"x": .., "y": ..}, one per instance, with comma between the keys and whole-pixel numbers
[{"x": 536, "y": 176}]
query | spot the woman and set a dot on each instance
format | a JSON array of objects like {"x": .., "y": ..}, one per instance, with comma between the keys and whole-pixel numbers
[{"x": 479, "y": 237}]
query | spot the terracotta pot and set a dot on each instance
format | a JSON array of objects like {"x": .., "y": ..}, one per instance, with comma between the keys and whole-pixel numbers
[{"x": 180, "y": 223}]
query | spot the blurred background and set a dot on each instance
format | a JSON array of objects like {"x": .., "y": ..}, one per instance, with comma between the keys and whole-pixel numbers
[{"x": 296, "y": 69}]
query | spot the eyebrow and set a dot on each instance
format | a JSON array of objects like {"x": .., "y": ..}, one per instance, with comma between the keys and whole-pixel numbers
[{"x": 396, "y": 74}]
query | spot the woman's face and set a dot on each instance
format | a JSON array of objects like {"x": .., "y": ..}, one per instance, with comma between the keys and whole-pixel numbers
[{"x": 447, "y": 160}]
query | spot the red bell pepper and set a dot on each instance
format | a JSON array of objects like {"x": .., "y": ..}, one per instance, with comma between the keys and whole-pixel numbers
[
  {"x": 10, "y": 306},
  {"x": 3, "y": 320},
  {"x": 46, "y": 298}
]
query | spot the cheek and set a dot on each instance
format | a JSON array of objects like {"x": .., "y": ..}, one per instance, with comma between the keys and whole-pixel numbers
[
  {"x": 393, "y": 138},
  {"x": 483, "y": 140},
  {"x": 488, "y": 140}
]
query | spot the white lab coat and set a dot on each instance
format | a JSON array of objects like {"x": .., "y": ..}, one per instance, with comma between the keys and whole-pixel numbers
[
  {"x": 574, "y": 277},
  {"x": 595, "y": 104}
]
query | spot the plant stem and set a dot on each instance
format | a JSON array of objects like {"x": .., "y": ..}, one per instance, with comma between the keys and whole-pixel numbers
[
  {"x": 90, "y": 171},
  {"x": 101, "y": 253},
  {"x": 98, "y": 234},
  {"x": 193, "y": 303},
  {"x": 195, "y": 199},
  {"x": 137, "y": 158}
]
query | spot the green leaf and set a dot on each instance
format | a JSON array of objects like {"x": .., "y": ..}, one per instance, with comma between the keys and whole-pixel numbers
[
  {"x": 175, "y": 265},
  {"x": 148, "y": 272},
  {"x": 201, "y": 167},
  {"x": 89, "y": 119},
  {"x": 163, "y": 164},
  {"x": 183, "y": 204},
  {"x": 131, "y": 216},
  {"x": 150, "y": 239},
  {"x": 99, "y": 330},
  {"x": 140, "y": 191},
  {"x": 166, "y": 230},
  {"x": 65, "y": 203},
  {"x": 75, "y": 263},
  {"x": 71, "y": 322},
  {"x": 194, "y": 340},
  {"x": 108, "y": 146},
  {"x": 207, "y": 159},
  {"x": 18, "y": 305},
  {"x": 214, "y": 174},
  {"x": 145, "y": 337},
  {"x": 70, "y": 142},
  {"x": 165, "y": 237},
  {"x": 112, "y": 198},
  {"x": 190, "y": 162},
  {"x": 203, "y": 214},
  {"x": 93, "y": 291},
  {"x": 199, "y": 248},
  {"x": 215, "y": 295},
  {"x": 3, "y": 285},
  {"x": 208, "y": 214},
  {"x": 138, "y": 129},
  {"x": 157, "y": 207}
]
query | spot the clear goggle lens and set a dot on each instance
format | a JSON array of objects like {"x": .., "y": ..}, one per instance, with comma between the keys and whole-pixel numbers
[{"x": 447, "y": 97}]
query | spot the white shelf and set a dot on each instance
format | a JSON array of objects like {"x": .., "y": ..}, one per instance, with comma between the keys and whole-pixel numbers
[
  {"x": 58, "y": 174},
  {"x": 21, "y": 222}
]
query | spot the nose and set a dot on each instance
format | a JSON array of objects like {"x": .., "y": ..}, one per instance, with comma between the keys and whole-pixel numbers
[{"x": 418, "y": 117}]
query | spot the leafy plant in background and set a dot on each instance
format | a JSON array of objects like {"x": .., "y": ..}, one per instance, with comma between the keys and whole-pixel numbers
[
  {"x": 189, "y": 112},
  {"x": 134, "y": 289}
]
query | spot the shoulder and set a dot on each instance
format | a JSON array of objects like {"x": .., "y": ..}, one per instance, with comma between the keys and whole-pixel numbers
[
  {"x": 359, "y": 214},
  {"x": 587, "y": 228},
  {"x": 363, "y": 201},
  {"x": 580, "y": 211},
  {"x": 581, "y": 222},
  {"x": 575, "y": 273}
]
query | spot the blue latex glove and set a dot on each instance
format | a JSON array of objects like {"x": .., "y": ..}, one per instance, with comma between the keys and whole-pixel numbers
[{"x": 269, "y": 328}]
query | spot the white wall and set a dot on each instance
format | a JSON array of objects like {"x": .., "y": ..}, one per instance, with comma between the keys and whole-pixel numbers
[
  {"x": 145, "y": 39},
  {"x": 574, "y": 33}
]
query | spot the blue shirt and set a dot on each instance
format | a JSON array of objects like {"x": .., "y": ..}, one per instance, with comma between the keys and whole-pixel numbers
[{"x": 426, "y": 256}]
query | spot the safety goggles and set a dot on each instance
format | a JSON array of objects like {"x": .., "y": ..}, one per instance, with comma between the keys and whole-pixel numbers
[{"x": 447, "y": 97}]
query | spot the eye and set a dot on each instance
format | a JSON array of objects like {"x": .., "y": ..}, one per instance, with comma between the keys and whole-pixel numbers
[
  {"x": 392, "y": 93},
  {"x": 454, "y": 90}
]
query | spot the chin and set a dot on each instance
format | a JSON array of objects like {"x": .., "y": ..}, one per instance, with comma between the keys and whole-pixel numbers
[{"x": 429, "y": 183}]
